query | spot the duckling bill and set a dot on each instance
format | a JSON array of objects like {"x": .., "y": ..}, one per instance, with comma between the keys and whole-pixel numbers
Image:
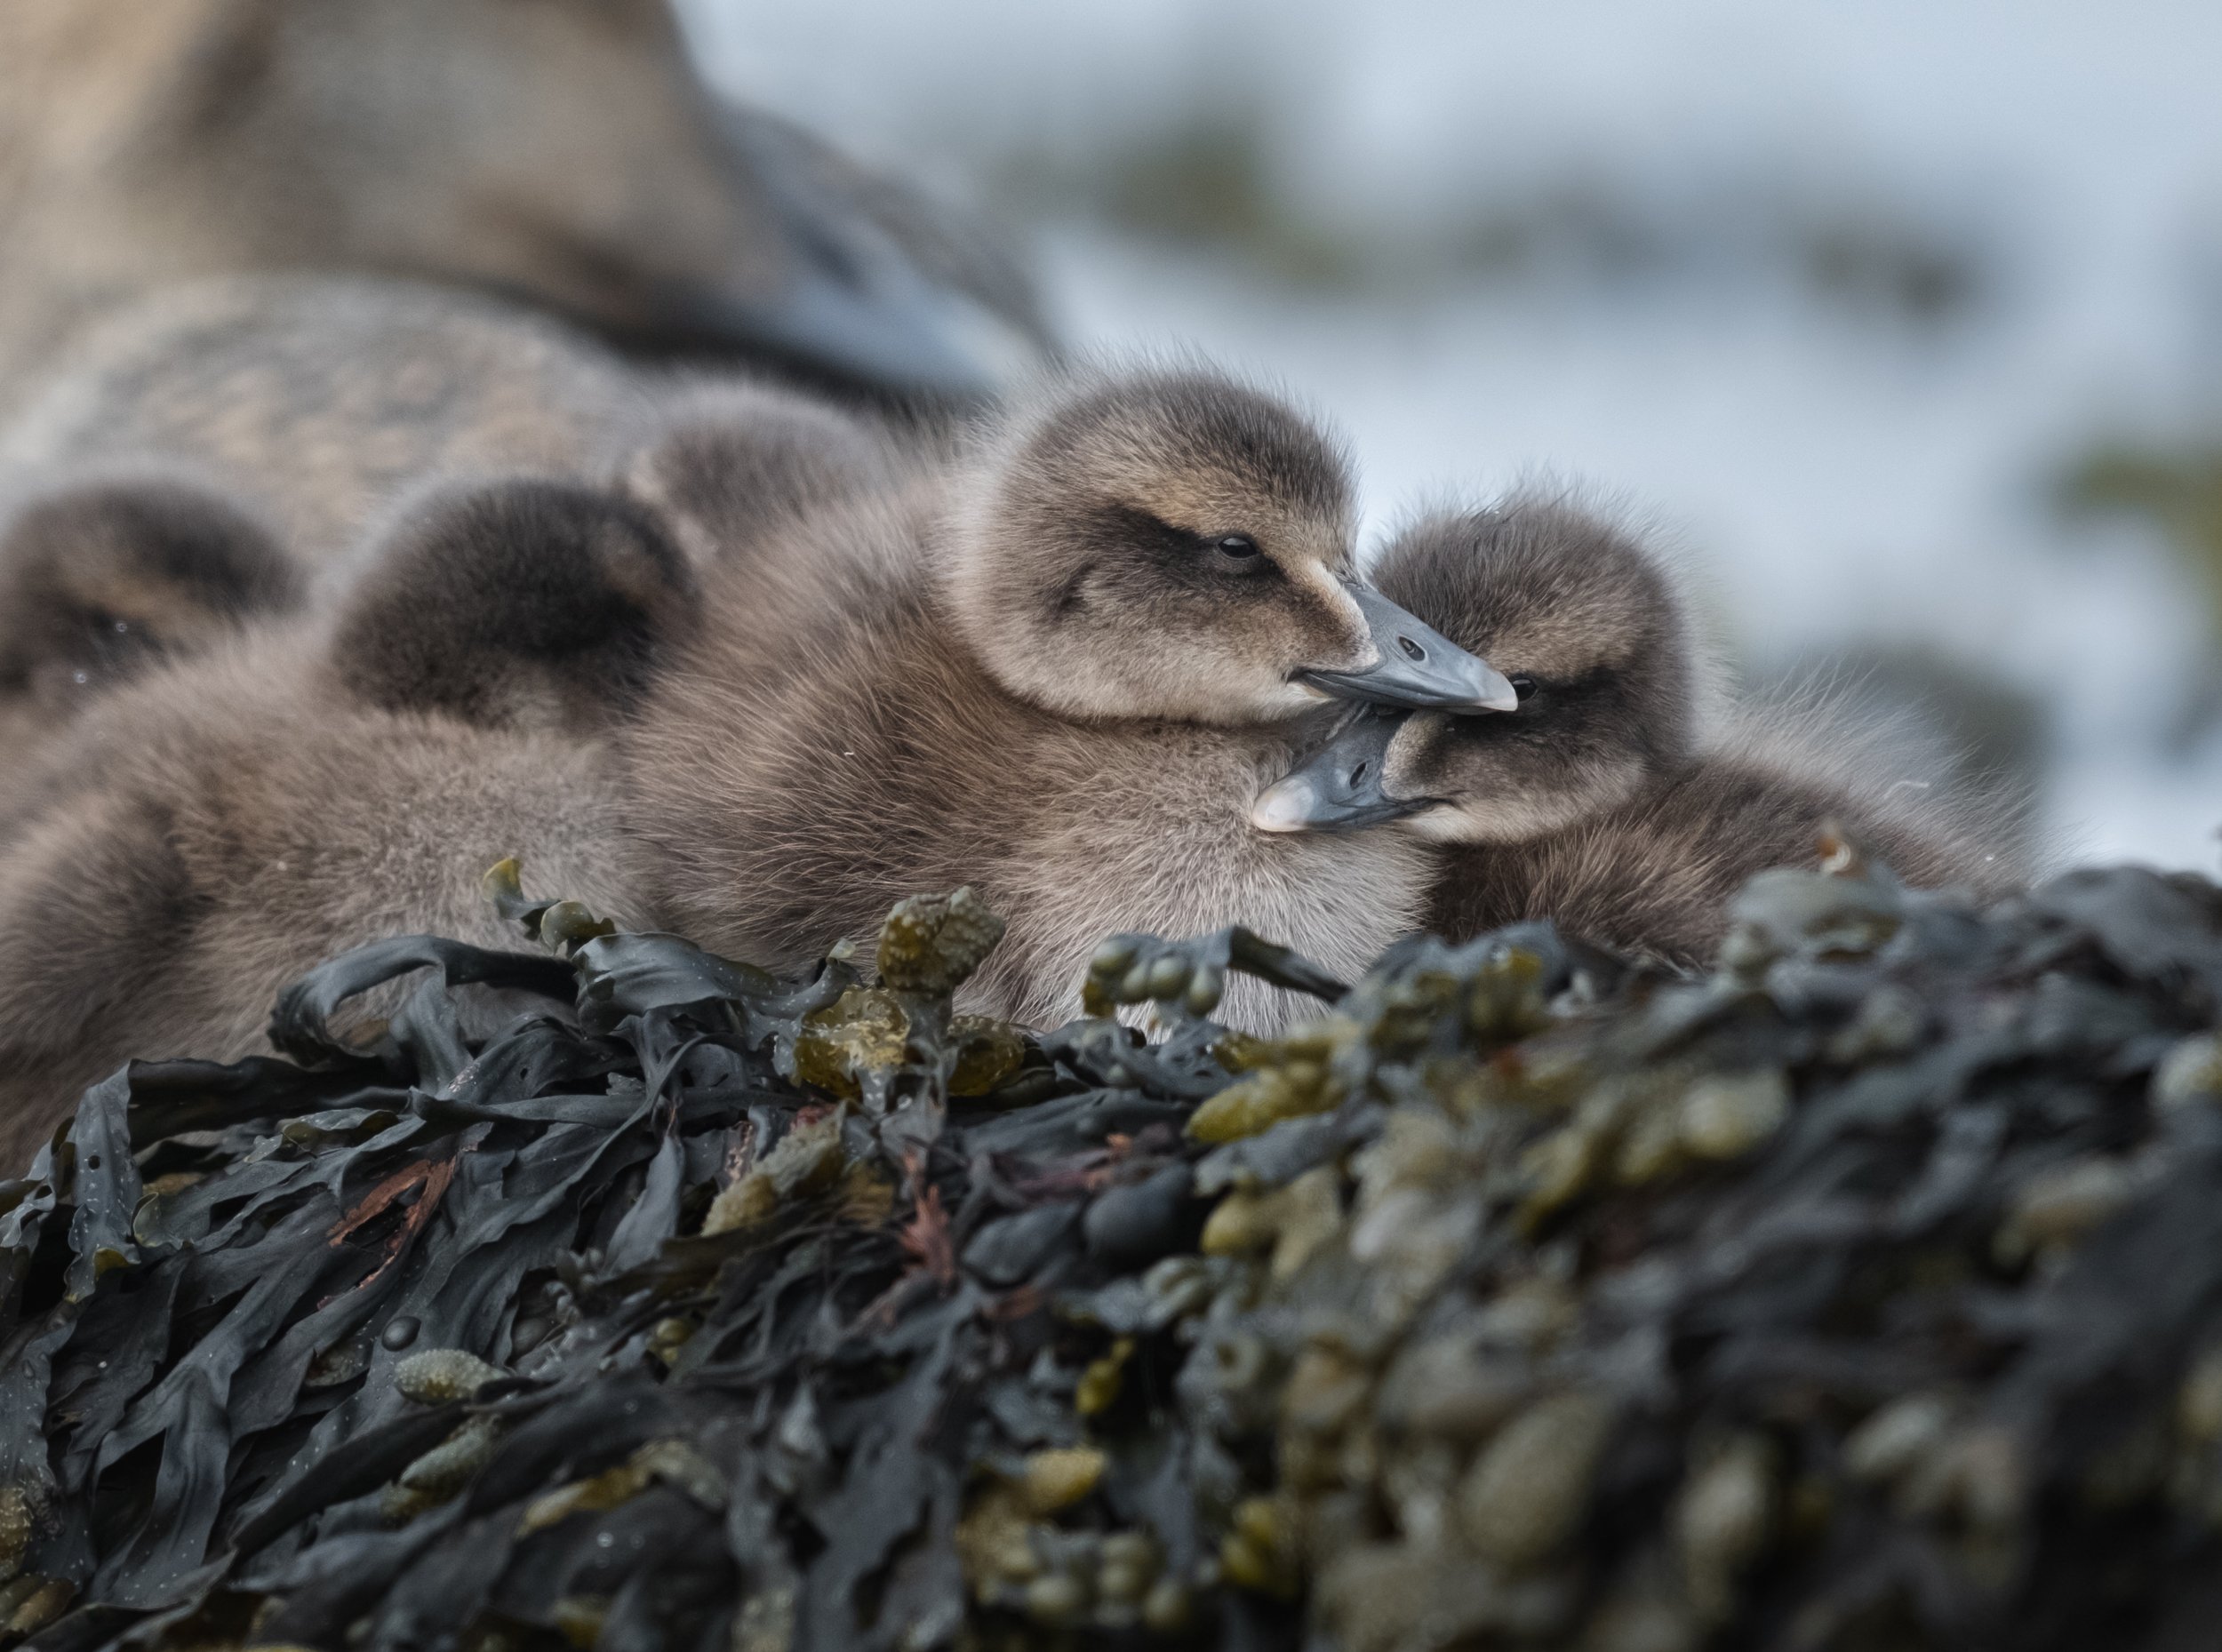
[
  {"x": 1416, "y": 665},
  {"x": 1340, "y": 788}
]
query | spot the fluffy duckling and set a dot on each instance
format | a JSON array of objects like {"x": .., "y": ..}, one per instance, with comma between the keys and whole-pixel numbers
[
  {"x": 1059, "y": 676},
  {"x": 520, "y": 603},
  {"x": 103, "y": 575},
  {"x": 1598, "y": 806},
  {"x": 220, "y": 825}
]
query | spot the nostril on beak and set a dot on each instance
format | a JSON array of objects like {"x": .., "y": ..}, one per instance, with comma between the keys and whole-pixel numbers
[
  {"x": 1358, "y": 775},
  {"x": 1412, "y": 651}
]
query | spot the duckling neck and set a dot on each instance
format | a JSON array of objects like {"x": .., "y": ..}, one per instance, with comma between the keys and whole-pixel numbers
[{"x": 1145, "y": 827}]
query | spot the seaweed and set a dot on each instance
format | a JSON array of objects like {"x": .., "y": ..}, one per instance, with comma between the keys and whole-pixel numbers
[{"x": 1864, "y": 1292}]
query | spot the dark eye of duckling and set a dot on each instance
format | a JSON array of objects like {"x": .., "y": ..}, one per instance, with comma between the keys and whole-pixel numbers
[
  {"x": 1523, "y": 685},
  {"x": 1185, "y": 553}
]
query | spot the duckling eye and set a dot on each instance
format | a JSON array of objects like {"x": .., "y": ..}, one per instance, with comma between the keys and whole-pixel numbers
[
  {"x": 1522, "y": 686},
  {"x": 1237, "y": 544}
]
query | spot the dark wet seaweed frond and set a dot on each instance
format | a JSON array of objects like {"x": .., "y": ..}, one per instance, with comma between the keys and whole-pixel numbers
[{"x": 1865, "y": 1293}]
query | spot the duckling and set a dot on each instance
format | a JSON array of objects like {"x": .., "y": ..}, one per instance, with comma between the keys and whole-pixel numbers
[
  {"x": 102, "y": 574},
  {"x": 1058, "y": 675},
  {"x": 515, "y": 602},
  {"x": 564, "y": 153},
  {"x": 1600, "y": 805}
]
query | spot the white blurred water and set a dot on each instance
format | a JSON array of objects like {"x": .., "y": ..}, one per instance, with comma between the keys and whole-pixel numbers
[{"x": 1836, "y": 478}]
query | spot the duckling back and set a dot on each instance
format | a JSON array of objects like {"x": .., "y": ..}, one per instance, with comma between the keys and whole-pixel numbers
[
  {"x": 1654, "y": 877},
  {"x": 322, "y": 399},
  {"x": 211, "y": 831},
  {"x": 1776, "y": 780}
]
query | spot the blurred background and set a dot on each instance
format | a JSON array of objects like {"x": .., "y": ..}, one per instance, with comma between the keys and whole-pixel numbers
[{"x": 1902, "y": 319}]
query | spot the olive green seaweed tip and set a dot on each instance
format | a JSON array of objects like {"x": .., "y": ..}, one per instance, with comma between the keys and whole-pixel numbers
[
  {"x": 569, "y": 924},
  {"x": 504, "y": 881},
  {"x": 933, "y": 943},
  {"x": 438, "y": 1375}
]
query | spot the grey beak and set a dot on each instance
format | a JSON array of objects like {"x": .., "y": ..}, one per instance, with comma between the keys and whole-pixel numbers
[
  {"x": 1418, "y": 667},
  {"x": 1337, "y": 788}
]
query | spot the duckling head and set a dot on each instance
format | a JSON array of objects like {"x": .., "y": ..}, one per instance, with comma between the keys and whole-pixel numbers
[
  {"x": 519, "y": 602},
  {"x": 1175, "y": 544},
  {"x": 1592, "y": 636},
  {"x": 102, "y": 575}
]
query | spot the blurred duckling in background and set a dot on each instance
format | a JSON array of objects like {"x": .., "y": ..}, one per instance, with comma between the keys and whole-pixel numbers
[
  {"x": 520, "y": 603},
  {"x": 1058, "y": 672},
  {"x": 104, "y": 574},
  {"x": 1604, "y": 805},
  {"x": 217, "y": 826},
  {"x": 729, "y": 466}
]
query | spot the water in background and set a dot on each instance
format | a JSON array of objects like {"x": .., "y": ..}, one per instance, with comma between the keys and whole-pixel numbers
[{"x": 1839, "y": 298}]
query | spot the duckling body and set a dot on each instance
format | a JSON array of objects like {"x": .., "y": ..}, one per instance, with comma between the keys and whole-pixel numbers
[
  {"x": 1059, "y": 678},
  {"x": 1654, "y": 877},
  {"x": 1605, "y": 802},
  {"x": 787, "y": 799},
  {"x": 211, "y": 831}
]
